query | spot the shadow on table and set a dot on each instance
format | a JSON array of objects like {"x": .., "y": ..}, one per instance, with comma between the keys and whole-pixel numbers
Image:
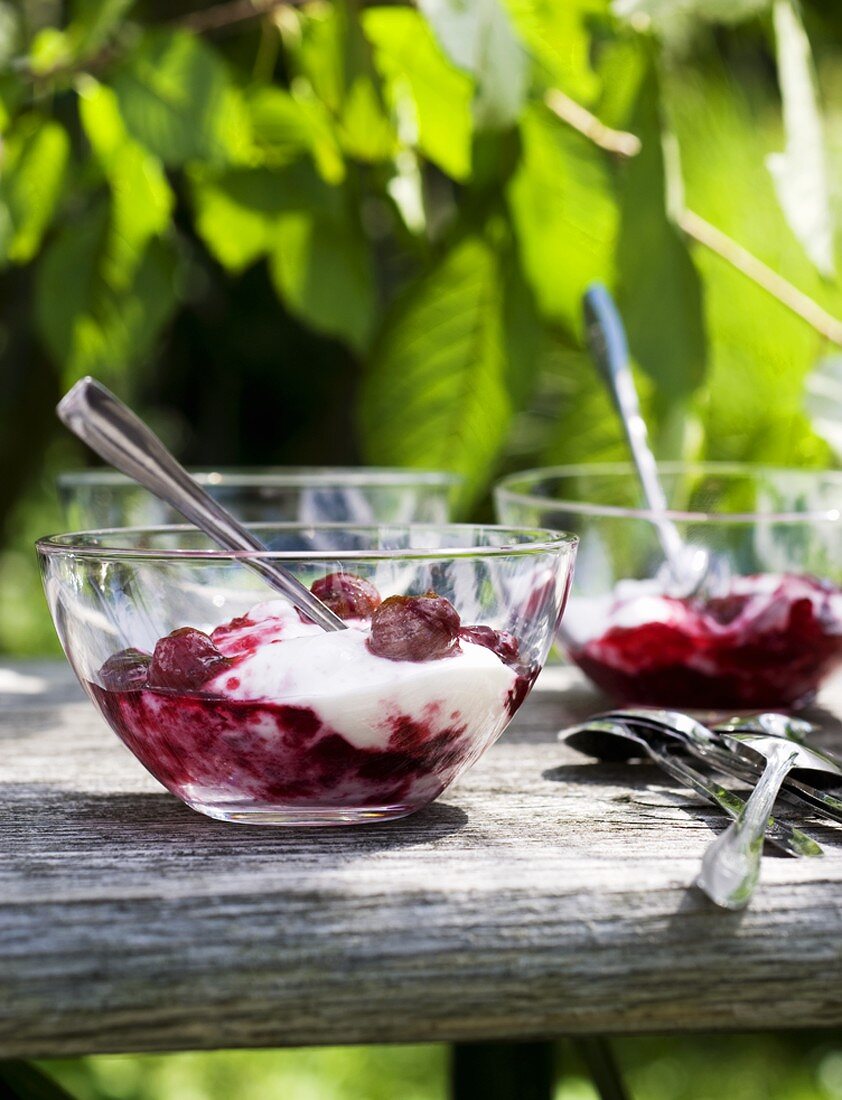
[
  {"x": 648, "y": 786},
  {"x": 48, "y": 823}
]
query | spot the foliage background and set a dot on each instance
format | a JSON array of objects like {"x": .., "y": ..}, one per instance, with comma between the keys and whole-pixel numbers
[
  {"x": 324, "y": 232},
  {"x": 334, "y": 232}
]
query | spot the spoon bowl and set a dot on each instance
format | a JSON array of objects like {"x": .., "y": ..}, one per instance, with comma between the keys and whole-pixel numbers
[
  {"x": 732, "y": 759},
  {"x": 807, "y": 764},
  {"x": 613, "y": 741}
]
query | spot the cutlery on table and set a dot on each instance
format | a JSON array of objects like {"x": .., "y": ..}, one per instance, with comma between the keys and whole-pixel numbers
[
  {"x": 609, "y": 739},
  {"x": 799, "y": 786},
  {"x": 731, "y": 864}
]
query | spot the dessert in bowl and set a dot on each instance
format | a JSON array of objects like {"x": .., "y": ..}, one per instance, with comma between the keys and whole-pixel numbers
[
  {"x": 248, "y": 712},
  {"x": 760, "y": 625},
  {"x": 102, "y": 497}
]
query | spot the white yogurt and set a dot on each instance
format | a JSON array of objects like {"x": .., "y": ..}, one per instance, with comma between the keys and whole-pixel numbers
[{"x": 353, "y": 691}]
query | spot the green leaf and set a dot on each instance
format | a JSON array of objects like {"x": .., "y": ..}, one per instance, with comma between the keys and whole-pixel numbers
[
  {"x": 285, "y": 126},
  {"x": 478, "y": 37},
  {"x": 333, "y": 57},
  {"x": 10, "y": 33},
  {"x": 675, "y": 20},
  {"x": 436, "y": 392},
  {"x": 422, "y": 84},
  {"x": 319, "y": 261},
  {"x": 315, "y": 50},
  {"x": 559, "y": 41},
  {"x": 523, "y": 333},
  {"x": 35, "y": 160},
  {"x": 658, "y": 288},
  {"x": 800, "y": 173},
  {"x": 141, "y": 198},
  {"x": 824, "y": 400},
  {"x": 88, "y": 326},
  {"x": 365, "y": 130},
  {"x": 279, "y": 125},
  {"x": 50, "y": 49},
  {"x": 759, "y": 351},
  {"x": 323, "y": 272},
  {"x": 237, "y": 212},
  {"x": 565, "y": 215},
  {"x": 93, "y": 21},
  {"x": 623, "y": 66},
  {"x": 580, "y": 423},
  {"x": 12, "y": 92},
  {"x": 176, "y": 99}
]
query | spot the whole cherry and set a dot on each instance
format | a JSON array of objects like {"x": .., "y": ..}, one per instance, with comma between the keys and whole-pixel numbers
[
  {"x": 415, "y": 628},
  {"x": 347, "y": 595},
  {"x": 125, "y": 671},
  {"x": 185, "y": 660},
  {"x": 501, "y": 642}
]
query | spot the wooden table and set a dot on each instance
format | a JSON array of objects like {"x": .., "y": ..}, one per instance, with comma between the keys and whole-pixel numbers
[{"x": 543, "y": 895}]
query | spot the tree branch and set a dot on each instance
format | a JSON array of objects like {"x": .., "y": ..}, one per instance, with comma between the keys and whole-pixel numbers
[
  {"x": 624, "y": 144},
  {"x": 618, "y": 142},
  {"x": 204, "y": 21},
  {"x": 219, "y": 16},
  {"x": 780, "y": 288}
]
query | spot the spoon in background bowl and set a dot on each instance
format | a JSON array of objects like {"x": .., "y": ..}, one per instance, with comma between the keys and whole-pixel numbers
[
  {"x": 119, "y": 436},
  {"x": 690, "y": 568}
]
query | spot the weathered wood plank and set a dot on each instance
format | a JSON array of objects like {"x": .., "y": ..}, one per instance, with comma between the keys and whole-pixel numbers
[{"x": 543, "y": 895}]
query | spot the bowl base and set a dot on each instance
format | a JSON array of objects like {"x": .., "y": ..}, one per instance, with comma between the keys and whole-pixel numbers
[{"x": 298, "y": 816}]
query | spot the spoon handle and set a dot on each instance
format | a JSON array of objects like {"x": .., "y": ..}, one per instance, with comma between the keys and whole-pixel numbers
[
  {"x": 111, "y": 429},
  {"x": 731, "y": 864},
  {"x": 779, "y": 833},
  {"x": 785, "y": 837},
  {"x": 606, "y": 339}
]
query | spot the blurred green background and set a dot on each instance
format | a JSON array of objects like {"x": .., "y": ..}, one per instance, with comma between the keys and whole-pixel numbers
[
  {"x": 339, "y": 232},
  {"x": 788, "y": 1066}
]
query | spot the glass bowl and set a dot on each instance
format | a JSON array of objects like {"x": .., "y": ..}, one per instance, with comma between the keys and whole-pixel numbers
[
  {"x": 252, "y": 715},
  {"x": 763, "y": 629},
  {"x": 102, "y": 497}
]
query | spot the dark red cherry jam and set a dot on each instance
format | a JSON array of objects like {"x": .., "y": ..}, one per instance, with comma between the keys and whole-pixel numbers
[
  {"x": 768, "y": 644},
  {"x": 184, "y": 714}
]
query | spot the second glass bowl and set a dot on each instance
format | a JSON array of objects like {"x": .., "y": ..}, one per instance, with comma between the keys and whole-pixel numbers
[
  {"x": 764, "y": 628},
  {"x": 99, "y": 498}
]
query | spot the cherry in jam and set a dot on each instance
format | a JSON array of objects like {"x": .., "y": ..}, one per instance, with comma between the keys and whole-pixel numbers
[
  {"x": 415, "y": 628},
  {"x": 184, "y": 713}
]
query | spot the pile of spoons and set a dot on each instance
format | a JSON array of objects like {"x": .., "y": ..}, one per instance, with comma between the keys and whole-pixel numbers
[{"x": 766, "y": 750}]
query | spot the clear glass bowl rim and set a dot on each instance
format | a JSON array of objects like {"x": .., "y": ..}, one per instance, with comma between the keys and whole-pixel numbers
[
  {"x": 291, "y": 477},
  {"x": 533, "y": 540},
  {"x": 503, "y": 491}
]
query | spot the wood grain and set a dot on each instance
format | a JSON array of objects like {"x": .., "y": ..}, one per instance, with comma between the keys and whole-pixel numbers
[{"x": 544, "y": 894}]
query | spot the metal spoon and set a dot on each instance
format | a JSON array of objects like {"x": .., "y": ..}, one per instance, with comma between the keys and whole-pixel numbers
[
  {"x": 730, "y": 760},
  {"x": 609, "y": 739},
  {"x": 608, "y": 346},
  {"x": 111, "y": 429},
  {"x": 731, "y": 864},
  {"x": 771, "y": 722}
]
